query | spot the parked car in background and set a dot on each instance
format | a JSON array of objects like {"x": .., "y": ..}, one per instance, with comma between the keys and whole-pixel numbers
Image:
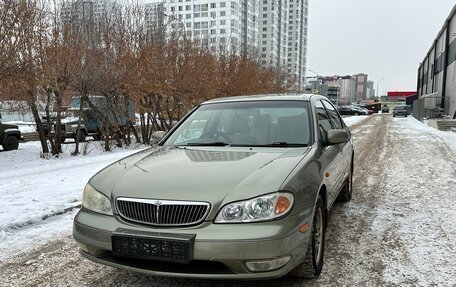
[
  {"x": 353, "y": 111},
  {"x": 409, "y": 109},
  {"x": 238, "y": 189},
  {"x": 385, "y": 109},
  {"x": 10, "y": 135},
  {"x": 91, "y": 121},
  {"x": 400, "y": 111}
]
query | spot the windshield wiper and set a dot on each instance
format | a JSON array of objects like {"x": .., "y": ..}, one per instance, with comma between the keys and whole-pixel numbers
[
  {"x": 208, "y": 144},
  {"x": 285, "y": 144}
]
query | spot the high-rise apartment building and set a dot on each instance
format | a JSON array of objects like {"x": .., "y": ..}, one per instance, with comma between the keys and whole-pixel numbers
[
  {"x": 370, "y": 91},
  {"x": 218, "y": 24},
  {"x": 275, "y": 29},
  {"x": 347, "y": 90},
  {"x": 91, "y": 15},
  {"x": 361, "y": 86},
  {"x": 273, "y": 40},
  {"x": 154, "y": 14},
  {"x": 297, "y": 40}
]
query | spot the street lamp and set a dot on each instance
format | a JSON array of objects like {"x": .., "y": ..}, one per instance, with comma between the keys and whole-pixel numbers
[
  {"x": 378, "y": 82},
  {"x": 318, "y": 83}
]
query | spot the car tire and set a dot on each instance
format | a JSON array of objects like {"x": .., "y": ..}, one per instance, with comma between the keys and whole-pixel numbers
[
  {"x": 356, "y": 114},
  {"x": 313, "y": 262},
  {"x": 345, "y": 194},
  {"x": 11, "y": 143}
]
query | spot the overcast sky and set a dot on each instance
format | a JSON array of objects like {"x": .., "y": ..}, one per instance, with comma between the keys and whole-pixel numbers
[{"x": 382, "y": 38}]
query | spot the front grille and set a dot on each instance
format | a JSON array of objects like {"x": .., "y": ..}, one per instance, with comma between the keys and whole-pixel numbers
[{"x": 162, "y": 212}]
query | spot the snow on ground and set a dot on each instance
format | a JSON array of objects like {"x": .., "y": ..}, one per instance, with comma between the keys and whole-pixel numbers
[
  {"x": 419, "y": 180},
  {"x": 32, "y": 188},
  {"x": 349, "y": 121},
  {"x": 24, "y": 127}
]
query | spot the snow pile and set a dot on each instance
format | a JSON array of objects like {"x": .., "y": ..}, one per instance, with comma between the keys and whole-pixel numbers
[{"x": 350, "y": 121}]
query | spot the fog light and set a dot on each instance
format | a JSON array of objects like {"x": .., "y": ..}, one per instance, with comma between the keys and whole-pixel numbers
[{"x": 267, "y": 265}]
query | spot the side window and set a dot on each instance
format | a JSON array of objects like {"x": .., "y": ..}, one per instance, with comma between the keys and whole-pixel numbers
[
  {"x": 335, "y": 119},
  {"x": 323, "y": 121}
]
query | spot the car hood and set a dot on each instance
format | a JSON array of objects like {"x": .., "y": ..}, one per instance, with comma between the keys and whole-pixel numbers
[
  {"x": 9, "y": 126},
  {"x": 214, "y": 175}
]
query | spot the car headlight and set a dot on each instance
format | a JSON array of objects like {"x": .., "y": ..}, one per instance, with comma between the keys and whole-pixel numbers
[
  {"x": 262, "y": 208},
  {"x": 96, "y": 201}
]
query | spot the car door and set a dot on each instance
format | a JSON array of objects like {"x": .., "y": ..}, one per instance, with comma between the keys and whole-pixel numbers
[
  {"x": 343, "y": 159},
  {"x": 330, "y": 153}
]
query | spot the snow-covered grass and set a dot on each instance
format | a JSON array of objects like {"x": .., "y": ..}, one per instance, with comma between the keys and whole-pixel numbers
[{"x": 32, "y": 188}]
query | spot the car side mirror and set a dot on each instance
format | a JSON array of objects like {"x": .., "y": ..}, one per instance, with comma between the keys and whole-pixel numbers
[
  {"x": 337, "y": 137},
  {"x": 158, "y": 136}
]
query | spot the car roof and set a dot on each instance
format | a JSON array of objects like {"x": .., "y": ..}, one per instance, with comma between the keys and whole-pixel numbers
[{"x": 264, "y": 97}]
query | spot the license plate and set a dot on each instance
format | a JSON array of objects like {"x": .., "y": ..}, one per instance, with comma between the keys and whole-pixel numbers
[{"x": 153, "y": 248}]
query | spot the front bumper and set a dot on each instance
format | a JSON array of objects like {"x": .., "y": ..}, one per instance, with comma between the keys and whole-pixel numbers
[{"x": 219, "y": 251}]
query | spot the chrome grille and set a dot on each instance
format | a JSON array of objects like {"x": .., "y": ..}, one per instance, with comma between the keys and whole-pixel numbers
[{"x": 162, "y": 212}]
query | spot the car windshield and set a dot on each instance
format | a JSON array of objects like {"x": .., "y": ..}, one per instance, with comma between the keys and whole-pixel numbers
[{"x": 254, "y": 123}]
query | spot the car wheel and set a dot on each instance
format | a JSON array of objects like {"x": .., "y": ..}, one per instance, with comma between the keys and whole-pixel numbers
[
  {"x": 356, "y": 114},
  {"x": 98, "y": 135},
  {"x": 313, "y": 262},
  {"x": 11, "y": 143},
  {"x": 345, "y": 194}
]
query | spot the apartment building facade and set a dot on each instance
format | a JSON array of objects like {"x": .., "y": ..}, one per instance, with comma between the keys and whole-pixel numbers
[
  {"x": 89, "y": 14},
  {"x": 275, "y": 30},
  {"x": 221, "y": 25},
  {"x": 298, "y": 12}
]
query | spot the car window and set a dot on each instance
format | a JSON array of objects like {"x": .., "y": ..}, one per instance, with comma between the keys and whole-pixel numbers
[
  {"x": 333, "y": 115},
  {"x": 324, "y": 122},
  {"x": 256, "y": 123}
]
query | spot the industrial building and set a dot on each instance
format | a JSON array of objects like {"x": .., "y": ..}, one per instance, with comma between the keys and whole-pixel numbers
[{"x": 436, "y": 83}]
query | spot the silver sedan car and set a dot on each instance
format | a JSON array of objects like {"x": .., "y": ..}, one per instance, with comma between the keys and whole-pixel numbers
[{"x": 238, "y": 189}]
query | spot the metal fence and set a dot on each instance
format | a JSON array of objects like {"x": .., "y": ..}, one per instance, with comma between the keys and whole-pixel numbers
[{"x": 428, "y": 107}]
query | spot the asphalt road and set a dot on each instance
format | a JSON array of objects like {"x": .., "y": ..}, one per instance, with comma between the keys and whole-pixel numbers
[{"x": 393, "y": 232}]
